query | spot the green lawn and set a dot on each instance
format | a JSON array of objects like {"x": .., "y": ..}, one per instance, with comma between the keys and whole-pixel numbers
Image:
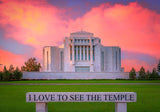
[
  {"x": 83, "y": 81},
  {"x": 12, "y": 98}
]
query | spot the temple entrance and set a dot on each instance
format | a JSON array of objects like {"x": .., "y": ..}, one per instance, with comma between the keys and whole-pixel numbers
[{"x": 82, "y": 69}]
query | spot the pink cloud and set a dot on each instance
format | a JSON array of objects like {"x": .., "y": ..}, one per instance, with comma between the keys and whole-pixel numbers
[
  {"x": 8, "y": 58},
  {"x": 137, "y": 64},
  {"x": 132, "y": 27},
  {"x": 32, "y": 24}
]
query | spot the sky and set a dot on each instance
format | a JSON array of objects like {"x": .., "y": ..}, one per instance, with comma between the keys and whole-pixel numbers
[{"x": 26, "y": 26}]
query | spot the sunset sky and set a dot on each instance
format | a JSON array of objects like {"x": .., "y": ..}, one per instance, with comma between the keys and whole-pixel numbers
[{"x": 26, "y": 26}]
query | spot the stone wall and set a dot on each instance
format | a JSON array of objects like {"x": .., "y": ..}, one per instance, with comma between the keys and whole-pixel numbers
[{"x": 75, "y": 75}]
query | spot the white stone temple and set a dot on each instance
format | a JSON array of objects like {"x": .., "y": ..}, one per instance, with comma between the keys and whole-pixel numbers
[{"x": 82, "y": 52}]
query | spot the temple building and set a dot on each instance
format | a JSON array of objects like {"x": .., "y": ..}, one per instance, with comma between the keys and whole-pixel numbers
[{"x": 82, "y": 52}]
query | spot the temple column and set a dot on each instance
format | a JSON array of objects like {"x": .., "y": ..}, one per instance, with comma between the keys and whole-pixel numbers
[
  {"x": 91, "y": 56},
  {"x": 73, "y": 52},
  {"x": 73, "y": 61},
  {"x": 76, "y": 52},
  {"x": 87, "y": 53},
  {"x": 80, "y": 51},
  {"x": 83, "y": 52},
  {"x": 91, "y": 53}
]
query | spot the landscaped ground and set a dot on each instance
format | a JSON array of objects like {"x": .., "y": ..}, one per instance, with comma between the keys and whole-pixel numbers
[{"x": 12, "y": 97}]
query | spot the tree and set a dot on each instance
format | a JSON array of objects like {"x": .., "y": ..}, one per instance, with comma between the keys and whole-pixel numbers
[
  {"x": 4, "y": 69},
  {"x": 154, "y": 74},
  {"x": 10, "y": 74},
  {"x": 132, "y": 74},
  {"x": 31, "y": 65},
  {"x": 11, "y": 70},
  {"x": 158, "y": 66},
  {"x": 142, "y": 73},
  {"x": 17, "y": 74},
  {"x": 1, "y": 73},
  {"x": 6, "y": 74},
  {"x": 148, "y": 74}
]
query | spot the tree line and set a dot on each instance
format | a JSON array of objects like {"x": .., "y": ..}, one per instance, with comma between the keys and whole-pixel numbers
[
  {"x": 11, "y": 73},
  {"x": 32, "y": 65},
  {"x": 143, "y": 75},
  {"x": 14, "y": 73}
]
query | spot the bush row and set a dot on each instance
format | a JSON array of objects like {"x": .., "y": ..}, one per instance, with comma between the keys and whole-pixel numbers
[{"x": 10, "y": 74}]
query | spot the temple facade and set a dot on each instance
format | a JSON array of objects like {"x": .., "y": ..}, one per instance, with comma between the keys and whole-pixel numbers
[{"x": 82, "y": 52}]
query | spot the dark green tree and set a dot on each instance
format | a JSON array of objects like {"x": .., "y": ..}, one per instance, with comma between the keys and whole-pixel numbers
[
  {"x": 158, "y": 66},
  {"x": 17, "y": 74},
  {"x": 11, "y": 70},
  {"x": 5, "y": 69},
  {"x": 31, "y": 65},
  {"x": 142, "y": 73},
  {"x": 147, "y": 76},
  {"x": 132, "y": 74},
  {"x": 1, "y": 73},
  {"x": 154, "y": 74},
  {"x": 10, "y": 74},
  {"x": 6, "y": 74}
]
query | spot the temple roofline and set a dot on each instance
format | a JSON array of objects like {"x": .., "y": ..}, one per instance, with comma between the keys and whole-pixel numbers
[{"x": 81, "y": 32}]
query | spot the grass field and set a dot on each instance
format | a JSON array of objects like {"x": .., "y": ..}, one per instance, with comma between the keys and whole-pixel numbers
[
  {"x": 12, "y": 98},
  {"x": 83, "y": 81}
]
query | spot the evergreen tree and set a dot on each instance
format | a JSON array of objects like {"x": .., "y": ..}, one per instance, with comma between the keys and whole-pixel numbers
[
  {"x": 17, "y": 73},
  {"x": 154, "y": 74},
  {"x": 147, "y": 76},
  {"x": 6, "y": 74},
  {"x": 142, "y": 73},
  {"x": 132, "y": 74},
  {"x": 11, "y": 70},
  {"x": 10, "y": 74},
  {"x": 158, "y": 66},
  {"x": 31, "y": 65},
  {"x": 1, "y": 73},
  {"x": 5, "y": 69}
]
